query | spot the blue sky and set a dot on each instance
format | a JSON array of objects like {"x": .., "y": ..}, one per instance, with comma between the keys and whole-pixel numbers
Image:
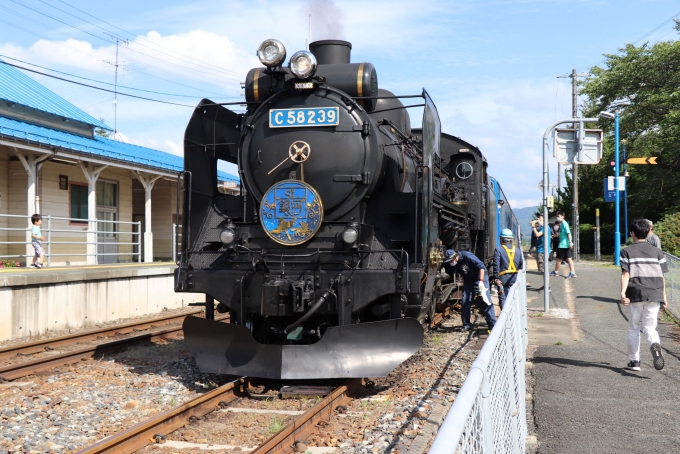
[{"x": 490, "y": 66}]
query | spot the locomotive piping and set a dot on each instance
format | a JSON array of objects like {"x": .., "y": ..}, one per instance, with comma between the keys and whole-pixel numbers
[{"x": 313, "y": 309}]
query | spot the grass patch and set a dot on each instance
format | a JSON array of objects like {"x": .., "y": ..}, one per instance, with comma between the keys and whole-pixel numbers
[
  {"x": 276, "y": 425},
  {"x": 537, "y": 314},
  {"x": 558, "y": 343},
  {"x": 666, "y": 316},
  {"x": 437, "y": 338}
]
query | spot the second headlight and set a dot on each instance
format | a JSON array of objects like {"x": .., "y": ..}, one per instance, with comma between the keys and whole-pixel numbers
[
  {"x": 350, "y": 235},
  {"x": 303, "y": 64}
]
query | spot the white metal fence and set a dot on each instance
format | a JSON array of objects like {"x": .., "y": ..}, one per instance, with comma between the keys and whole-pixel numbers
[
  {"x": 673, "y": 284},
  {"x": 489, "y": 414},
  {"x": 105, "y": 234}
]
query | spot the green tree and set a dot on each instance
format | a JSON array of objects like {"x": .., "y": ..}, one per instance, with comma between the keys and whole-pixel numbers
[
  {"x": 668, "y": 230},
  {"x": 101, "y": 132},
  {"x": 641, "y": 83}
]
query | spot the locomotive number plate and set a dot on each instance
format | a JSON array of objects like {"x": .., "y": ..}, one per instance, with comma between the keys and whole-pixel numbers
[{"x": 294, "y": 118}]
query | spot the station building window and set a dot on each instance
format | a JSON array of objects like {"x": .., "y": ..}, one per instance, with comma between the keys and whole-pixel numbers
[
  {"x": 107, "y": 208},
  {"x": 78, "y": 199}
]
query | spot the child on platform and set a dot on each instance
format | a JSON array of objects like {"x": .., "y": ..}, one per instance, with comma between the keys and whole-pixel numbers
[{"x": 36, "y": 241}]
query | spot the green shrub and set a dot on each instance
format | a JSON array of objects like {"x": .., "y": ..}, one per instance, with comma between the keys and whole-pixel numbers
[
  {"x": 587, "y": 236},
  {"x": 668, "y": 230}
]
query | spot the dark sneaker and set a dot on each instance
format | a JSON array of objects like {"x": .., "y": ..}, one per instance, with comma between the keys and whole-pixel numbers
[
  {"x": 466, "y": 328},
  {"x": 552, "y": 273},
  {"x": 32, "y": 265},
  {"x": 659, "y": 362},
  {"x": 570, "y": 275},
  {"x": 38, "y": 265},
  {"x": 633, "y": 365}
]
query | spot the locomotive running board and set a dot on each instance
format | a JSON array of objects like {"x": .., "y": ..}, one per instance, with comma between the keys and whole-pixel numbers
[{"x": 351, "y": 351}]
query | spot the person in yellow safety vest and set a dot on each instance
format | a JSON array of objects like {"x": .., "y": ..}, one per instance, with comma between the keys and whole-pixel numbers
[{"x": 507, "y": 261}]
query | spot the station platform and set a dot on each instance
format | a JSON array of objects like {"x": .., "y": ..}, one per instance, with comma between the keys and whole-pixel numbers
[
  {"x": 584, "y": 400},
  {"x": 36, "y": 301},
  {"x": 50, "y": 275}
]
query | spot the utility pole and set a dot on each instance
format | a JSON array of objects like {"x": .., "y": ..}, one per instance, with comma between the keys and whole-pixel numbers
[
  {"x": 115, "y": 85},
  {"x": 574, "y": 175}
]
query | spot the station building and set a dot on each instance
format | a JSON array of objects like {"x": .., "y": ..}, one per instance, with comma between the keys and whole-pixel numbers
[
  {"x": 53, "y": 162},
  {"x": 103, "y": 202}
]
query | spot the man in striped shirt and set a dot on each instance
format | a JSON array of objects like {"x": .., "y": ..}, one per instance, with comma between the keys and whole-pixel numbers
[{"x": 643, "y": 290}]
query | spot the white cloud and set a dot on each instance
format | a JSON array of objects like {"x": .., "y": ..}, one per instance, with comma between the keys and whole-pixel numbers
[{"x": 175, "y": 147}]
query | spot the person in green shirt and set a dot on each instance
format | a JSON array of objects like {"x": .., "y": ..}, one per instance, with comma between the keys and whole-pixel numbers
[{"x": 564, "y": 247}]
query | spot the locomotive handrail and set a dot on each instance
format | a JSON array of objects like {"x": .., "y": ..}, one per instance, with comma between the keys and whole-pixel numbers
[
  {"x": 397, "y": 108},
  {"x": 388, "y": 97}
]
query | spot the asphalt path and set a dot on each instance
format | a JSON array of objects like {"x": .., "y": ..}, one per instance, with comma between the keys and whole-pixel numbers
[{"x": 584, "y": 399}]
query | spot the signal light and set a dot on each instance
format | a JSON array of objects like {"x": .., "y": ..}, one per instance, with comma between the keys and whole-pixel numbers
[{"x": 612, "y": 163}]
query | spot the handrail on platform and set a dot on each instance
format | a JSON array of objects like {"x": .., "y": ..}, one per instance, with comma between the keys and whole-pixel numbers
[{"x": 93, "y": 228}]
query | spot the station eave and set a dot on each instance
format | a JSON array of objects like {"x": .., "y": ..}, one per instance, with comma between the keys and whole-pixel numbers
[{"x": 51, "y": 140}]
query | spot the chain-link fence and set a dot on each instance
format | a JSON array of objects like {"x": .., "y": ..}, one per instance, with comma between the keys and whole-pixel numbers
[
  {"x": 673, "y": 284},
  {"x": 489, "y": 415}
]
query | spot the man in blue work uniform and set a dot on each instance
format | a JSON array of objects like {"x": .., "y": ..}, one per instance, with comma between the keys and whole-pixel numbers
[
  {"x": 475, "y": 282},
  {"x": 507, "y": 261}
]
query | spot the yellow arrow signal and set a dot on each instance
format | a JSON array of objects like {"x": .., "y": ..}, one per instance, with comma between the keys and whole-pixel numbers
[{"x": 650, "y": 160}]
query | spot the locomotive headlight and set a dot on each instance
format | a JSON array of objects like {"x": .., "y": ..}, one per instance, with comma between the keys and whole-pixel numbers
[
  {"x": 350, "y": 235},
  {"x": 227, "y": 236},
  {"x": 303, "y": 64},
  {"x": 271, "y": 52}
]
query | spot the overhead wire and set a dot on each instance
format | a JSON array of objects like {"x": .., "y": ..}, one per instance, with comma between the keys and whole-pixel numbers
[
  {"x": 201, "y": 63},
  {"x": 644, "y": 36},
  {"x": 105, "y": 83},
  {"x": 220, "y": 71},
  {"x": 94, "y": 87},
  {"x": 18, "y": 2},
  {"x": 31, "y": 32}
]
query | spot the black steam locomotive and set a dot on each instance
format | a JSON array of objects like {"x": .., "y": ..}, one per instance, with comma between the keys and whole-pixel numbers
[{"x": 327, "y": 261}]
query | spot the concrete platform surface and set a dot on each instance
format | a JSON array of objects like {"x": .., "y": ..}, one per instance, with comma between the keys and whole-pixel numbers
[
  {"x": 584, "y": 401},
  {"x": 50, "y": 275}
]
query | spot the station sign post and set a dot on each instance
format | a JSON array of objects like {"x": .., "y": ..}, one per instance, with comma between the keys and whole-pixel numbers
[{"x": 578, "y": 155}]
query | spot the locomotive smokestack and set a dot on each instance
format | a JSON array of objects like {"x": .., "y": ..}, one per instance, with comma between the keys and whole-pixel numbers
[{"x": 331, "y": 51}]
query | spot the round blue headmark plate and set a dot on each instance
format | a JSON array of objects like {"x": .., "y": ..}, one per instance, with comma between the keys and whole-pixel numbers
[{"x": 291, "y": 212}]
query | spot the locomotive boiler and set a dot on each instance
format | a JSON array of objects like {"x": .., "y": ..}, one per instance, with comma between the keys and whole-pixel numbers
[{"x": 327, "y": 260}]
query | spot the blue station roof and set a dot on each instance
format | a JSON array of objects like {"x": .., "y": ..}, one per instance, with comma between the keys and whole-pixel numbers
[
  {"x": 17, "y": 87},
  {"x": 97, "y": 146}
]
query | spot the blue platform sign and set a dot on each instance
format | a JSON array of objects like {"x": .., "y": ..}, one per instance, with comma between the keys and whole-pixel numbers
[
  {"x": 291, "y": 212},
  {"x": 609, "y": 194}
]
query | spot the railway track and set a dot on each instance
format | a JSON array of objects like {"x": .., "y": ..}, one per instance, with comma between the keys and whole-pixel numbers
[
  {"x": 25, "y": 368},
  {"x": 154, "y": 429}
]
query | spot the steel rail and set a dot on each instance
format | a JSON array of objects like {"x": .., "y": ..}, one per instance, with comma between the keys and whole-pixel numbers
[
  {"x": 284, "y": 441},
  {"x": 149, "y": 431},
  {"x": 23, "y": 369},
  {"x": 39, "y": 346},
  {"x": 144, "y": 433}
]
